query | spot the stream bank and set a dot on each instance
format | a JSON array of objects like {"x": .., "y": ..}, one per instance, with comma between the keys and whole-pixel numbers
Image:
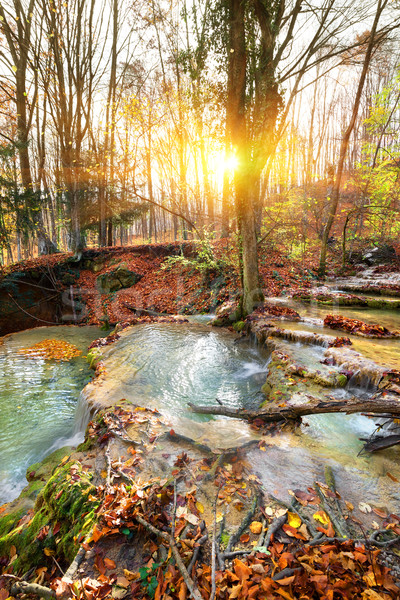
[{"x": 134, "y": 462}]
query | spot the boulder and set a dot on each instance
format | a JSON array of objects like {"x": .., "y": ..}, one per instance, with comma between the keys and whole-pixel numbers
[
  {"x": 117, "y": 279},
  {"x": 227, "y": 314}
]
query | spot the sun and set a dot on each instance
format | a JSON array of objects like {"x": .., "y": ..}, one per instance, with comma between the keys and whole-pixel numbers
[
  {"x": 221, "y": 163},
  {"x": 231, "y": 163}
]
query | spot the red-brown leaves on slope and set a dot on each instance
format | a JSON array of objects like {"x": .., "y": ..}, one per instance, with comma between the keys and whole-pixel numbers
[{"x": 356, "y": 327}]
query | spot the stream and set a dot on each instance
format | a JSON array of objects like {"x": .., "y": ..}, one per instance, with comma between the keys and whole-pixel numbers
[
  {"x": 38, "y": 401},
  {"x": 164, "y": 366}
]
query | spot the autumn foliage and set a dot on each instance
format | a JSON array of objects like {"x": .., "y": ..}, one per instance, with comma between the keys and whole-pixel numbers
[{"x": 52, "y": 350}]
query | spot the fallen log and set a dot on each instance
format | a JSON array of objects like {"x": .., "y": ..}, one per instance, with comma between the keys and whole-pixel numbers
[
  {"x": 381, "y": 442},
  {"x": 304, "y": 404}
]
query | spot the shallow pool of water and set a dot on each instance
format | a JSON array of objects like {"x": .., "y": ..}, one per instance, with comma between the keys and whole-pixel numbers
[
  {"x": 385, "y": 352},
  {"x": 169, "y": 366},
  {"x": 38, "y": 400}
]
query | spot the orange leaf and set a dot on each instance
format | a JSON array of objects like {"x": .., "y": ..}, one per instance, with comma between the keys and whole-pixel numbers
[
  {"x": 292, "y": 532},
  {"x": 96, "y": 534},
  {"x": 241, "y": 570},
  {"x": 285, "y": 594},
  {"x": 380, "y": 513},
  {"x": 244, "y": 538},
  {"x": 256, "y": 527},
  {"x": 235, "y": 591},
  {"x": 182, "y": 591},
  {"x": 286, "y": 580},
  {"x": 110, "y": 564}
]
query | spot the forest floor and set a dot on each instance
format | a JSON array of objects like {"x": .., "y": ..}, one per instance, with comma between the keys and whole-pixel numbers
[{"x": 178, "y": 288}]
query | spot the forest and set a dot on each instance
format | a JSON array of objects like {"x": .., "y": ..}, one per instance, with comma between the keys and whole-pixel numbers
[{"x": 200, "y": 299}]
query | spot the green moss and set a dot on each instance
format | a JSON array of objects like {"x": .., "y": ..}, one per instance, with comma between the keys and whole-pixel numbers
[
  {"x": 44, "y": 468},
  {"x": 239, "y": 326},
  {"x": 93, "y": 357},
  {"x": 225, "y": 538},
  {"x": 9, "y": 521},
  {"x": 87, "y": 444},
  {"x": 342, "y": 380},
  {"x": 66, "y": 499}
]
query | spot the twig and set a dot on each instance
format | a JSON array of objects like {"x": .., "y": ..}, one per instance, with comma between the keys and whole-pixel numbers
[
  {"x": 330, "y": 482},
  {"x": 286, "y": 573},
  {"x": 337, "y": 525},
  {"x": 173, "y": 513},
  {"x": 196, "y": 552},
  {"x": 229, "y": 555},
  {"x": 58, "y": 565},
  {"x": 217, "y": 463},
  {"x": 368, "y": 541},
  {"x": 108, "y": 459},
  {"x": 292, "y": 508},
  {"x": 273, "y": 528},
  {"x": 167, "y": 537},
  {"x": 221, "y": 560},
  {"x": 213, "y": 548},
  {"x": 261, "y": 536},
  {"x": 242, "y": 527}
]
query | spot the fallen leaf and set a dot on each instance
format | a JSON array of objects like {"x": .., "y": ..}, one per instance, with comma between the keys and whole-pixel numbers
[
  {"x": 293, "y": 520},
  {"x": 235, "y": 591},
  {"x": 110, "y": 564},
  {"x": 364, "y": 507},
  {"x": 122, "y": 581},
  {"x": 380, "y": 513},
  {"x": 130, "y": 575},
  {"x": 256, "y": 527},
  {"x": 322, "y": 517}
]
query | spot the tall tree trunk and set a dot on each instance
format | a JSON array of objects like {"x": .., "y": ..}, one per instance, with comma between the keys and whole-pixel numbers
[
  {"x": 346, "y": 139},
  {"x": 244, "y": 181}
]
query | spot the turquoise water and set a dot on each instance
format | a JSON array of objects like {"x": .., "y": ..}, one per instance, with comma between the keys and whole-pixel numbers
[
  {"x": 38, "y": 400},
  {"x": 168, "y": 366},
  {"x": 165, "y": 366}
]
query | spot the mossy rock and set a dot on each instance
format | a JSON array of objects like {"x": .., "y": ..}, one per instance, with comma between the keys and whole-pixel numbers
[
  {"x": 93, "y": 357},
  {"x": 42, "y": 470},
  {"x": 37, "y": 475},
  {"x": 68, "y": 279},
  {"x": 66, "y": 500},
  {"x": 227, "y": 314},
  {"x": 239, "y": 326},
  {"x": 217, "y": 322},
  {"x": 383, "y": 304},
  {"x": 95, "y": 264},
  {"x": 117, "y": 279}
]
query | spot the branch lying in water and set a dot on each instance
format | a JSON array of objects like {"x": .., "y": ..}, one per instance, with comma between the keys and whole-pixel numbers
[{"x": 377, "y": 404}]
